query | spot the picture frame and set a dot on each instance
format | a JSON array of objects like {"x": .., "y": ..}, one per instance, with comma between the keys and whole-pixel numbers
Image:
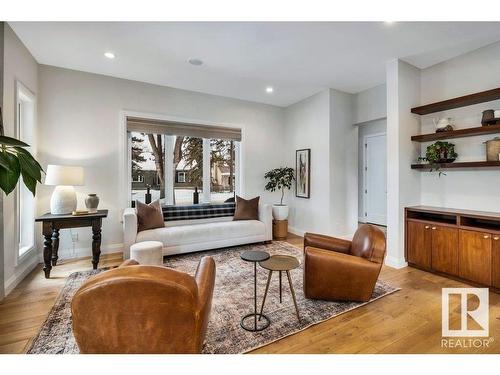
[{"x": 303, "y": 173}]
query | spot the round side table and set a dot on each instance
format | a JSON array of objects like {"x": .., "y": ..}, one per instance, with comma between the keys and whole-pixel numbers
[
  {"x": 255, "y": 257},
  {"x": 280, "y": 263}
]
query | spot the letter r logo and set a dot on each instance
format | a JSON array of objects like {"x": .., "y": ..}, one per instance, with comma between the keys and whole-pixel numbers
[{"x": 479, "y": 314}]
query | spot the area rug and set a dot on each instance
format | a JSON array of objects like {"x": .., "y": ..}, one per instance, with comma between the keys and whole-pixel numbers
[{"x": 233, "y": 298}]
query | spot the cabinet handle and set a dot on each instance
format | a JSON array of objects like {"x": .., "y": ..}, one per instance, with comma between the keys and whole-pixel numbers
[
  {"x": 427, "y": 227},
  {"x": 433, "y": 228},
  {"x": 486, "y": 236},
  {"x": 496, "y": 238}
]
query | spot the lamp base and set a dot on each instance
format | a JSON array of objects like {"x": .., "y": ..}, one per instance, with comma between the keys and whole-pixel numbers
[{"x": 63, "y": 200}]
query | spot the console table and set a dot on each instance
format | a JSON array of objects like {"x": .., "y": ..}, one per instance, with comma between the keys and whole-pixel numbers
[
  {"x": 460, "y": 244},
  {"x": 51, "y": 224}
]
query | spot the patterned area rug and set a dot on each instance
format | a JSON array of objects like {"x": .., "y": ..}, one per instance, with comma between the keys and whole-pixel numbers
[{"x": 233, "y": 298}]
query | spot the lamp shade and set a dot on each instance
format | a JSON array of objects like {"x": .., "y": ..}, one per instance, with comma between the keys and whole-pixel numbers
[{"x": 64, "y": 175}]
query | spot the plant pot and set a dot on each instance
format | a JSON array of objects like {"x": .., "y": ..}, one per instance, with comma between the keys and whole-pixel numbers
[{"x": 280, "y": 212}]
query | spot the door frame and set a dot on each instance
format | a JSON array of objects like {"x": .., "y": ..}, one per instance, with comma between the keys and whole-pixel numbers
[{"x": 365, "y": 184}]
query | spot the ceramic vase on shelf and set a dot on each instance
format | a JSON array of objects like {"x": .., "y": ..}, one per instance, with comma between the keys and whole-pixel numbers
[{"x": 91, "y": 202}]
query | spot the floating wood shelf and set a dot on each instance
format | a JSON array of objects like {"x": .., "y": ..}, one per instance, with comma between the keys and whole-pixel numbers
[
  {"x": 465, "y": 164},
  {"x": 462, "y": 101},
  {"x": 459, "y": 133}
]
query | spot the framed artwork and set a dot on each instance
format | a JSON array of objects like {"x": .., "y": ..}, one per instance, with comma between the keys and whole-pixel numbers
[{"x": 303, "y": 173}]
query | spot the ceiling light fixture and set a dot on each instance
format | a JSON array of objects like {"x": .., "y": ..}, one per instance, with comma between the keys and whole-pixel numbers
[
  {"x": 194, "y": 61},
  {"x": 109, "y": 55},
  {"x": 269, "y": 89}
]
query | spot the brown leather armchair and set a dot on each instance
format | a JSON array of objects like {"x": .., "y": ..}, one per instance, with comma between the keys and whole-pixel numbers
[
  {"x": 144, "y": 309},
  {"x": 340, "y": 270}
]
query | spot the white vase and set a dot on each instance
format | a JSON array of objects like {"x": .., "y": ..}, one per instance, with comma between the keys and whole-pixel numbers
[{"x": 280, "y": 212}]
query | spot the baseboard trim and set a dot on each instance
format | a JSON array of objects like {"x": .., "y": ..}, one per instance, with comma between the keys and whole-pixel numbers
[
  {"x": 14, "y": 280},
  {"x": 67, "y": 254},
  {"x": 396, "y": 263},
  {"x": 296, "y": 231}
]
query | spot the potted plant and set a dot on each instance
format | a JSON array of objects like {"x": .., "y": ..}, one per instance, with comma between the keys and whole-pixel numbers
[
  {"x": 280, "y": 179},
  {"x": 16, "y": 161},
  {"x": 439, "y": 152}
]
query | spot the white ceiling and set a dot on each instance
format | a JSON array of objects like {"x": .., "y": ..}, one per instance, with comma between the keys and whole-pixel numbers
[{"x": 240, "y": 59}]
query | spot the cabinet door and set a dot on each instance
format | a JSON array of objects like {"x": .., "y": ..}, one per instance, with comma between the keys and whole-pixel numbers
[
  {"x": 475, "y": 256},
  {"x": 445, "y": 249},
  {"x": 495, "y": 261},
  {"x": 418, "y": 243}
]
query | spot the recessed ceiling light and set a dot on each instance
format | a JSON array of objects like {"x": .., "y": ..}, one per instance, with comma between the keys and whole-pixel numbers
[
  {"x": 195, "y": 61},
  {"x": 389, "y": 22},
  {"x": 269, "y": 89},
  {"x": 109, "y": 55}
]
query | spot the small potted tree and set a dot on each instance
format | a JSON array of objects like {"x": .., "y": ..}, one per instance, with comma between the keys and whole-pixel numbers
[{"x": 280, "y": 179}]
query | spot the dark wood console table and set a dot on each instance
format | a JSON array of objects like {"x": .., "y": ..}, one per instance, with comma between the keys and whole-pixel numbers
[{"x": 51, "y": 224}]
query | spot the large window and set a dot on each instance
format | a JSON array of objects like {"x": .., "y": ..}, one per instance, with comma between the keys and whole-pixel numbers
[
  {"x": 182, "y": 169},
  {"x": 25, "y": 205}
]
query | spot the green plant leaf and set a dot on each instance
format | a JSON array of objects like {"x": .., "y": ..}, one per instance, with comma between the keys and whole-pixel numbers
[
  {"x": 4, "y": 162},
  {"x": 9, "y": 178},
  {"x": 28, "y": 164},
  {"x": 29, "y": 181},
  {"x": 8, "y": 141}
]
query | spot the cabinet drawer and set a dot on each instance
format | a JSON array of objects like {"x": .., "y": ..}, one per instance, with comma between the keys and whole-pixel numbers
[{"x": 475, "y": 256}]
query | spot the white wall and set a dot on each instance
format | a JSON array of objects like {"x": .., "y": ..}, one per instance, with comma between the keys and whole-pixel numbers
[
  {"x": 308, "y": 126},
  {"x": 403, "y": 183},
  {"x": 323, "y": 123},
  {"x": 18, "y": 65},
  {"x": 79, "y": 122},
  {"x": 370, "y": 104},
  {"x": 367, "y": 128},
  {"x": 466, "y": 189},
  {"x": 343, "y": 165}
]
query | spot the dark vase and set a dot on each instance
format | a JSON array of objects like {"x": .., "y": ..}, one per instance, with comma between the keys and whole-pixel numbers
[{"x": 92, "y": 202}]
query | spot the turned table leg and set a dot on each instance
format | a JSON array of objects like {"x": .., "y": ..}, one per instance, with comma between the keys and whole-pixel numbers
[
  {"x": 47, "y": 249},
  {"x": 96, "y": 243},
  {"x": 55, "y": 246}
]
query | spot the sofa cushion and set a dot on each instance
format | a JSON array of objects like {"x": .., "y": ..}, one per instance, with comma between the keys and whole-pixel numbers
[
  {"x": 246, "y": 209},
  {"x": 149, "y": 216},
  {"x": 195, "y": 233}
]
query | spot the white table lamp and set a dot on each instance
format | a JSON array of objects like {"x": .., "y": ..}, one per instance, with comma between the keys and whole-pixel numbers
[{"x": 64, "y": 177}]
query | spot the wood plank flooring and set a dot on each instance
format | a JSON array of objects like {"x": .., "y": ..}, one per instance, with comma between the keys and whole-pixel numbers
[{"x": 408, "y": 321}]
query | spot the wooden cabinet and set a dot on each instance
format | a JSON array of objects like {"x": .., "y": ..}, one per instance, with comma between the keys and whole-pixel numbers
[
  {"x": 419, "y": 243},
  {"x": 475, "y": 256},
  {"x": 461, "y": 243},
  {"x": 495, "y": 261},
  {"x": 444, "y": 249}
]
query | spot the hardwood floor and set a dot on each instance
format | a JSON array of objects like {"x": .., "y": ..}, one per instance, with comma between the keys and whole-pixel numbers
[{"x": 408, "y": 321}]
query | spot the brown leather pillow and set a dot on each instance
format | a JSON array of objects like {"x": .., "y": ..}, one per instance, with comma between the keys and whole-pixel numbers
[
  {"x": 149, "y": 216},
  {"x": 246, "y": 209}
]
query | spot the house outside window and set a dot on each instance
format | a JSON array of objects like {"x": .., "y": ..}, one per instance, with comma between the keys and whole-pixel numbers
[{"x": 180, "y": 164}]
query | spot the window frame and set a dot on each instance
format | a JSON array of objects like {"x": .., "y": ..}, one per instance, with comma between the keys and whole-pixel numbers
[
  {"x": 24, "y": 94},
  {"x": 126, "y": 157},
  {"x": 179, "y": 174}
]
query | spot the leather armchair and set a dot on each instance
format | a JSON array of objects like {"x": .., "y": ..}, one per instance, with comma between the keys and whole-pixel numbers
[
  {"x": 341, "y": 270},
  {"x": 144, "y": 309}
]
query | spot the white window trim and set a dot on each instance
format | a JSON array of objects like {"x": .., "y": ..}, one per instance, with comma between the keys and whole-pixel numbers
[
  {"x": 126, "y": 155},
  {"x": 183, "y": 174},
  {"x": 22, "y": 93}
]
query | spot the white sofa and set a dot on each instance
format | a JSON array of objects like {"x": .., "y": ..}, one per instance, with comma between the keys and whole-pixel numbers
[{"x": 184, "y": 236}]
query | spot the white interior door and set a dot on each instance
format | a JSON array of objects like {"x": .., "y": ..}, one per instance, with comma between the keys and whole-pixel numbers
[{"x": 376, "y": 179}]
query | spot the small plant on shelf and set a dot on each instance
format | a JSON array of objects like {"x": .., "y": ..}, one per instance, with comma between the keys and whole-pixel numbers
[{"x": 437, "y": 153}]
